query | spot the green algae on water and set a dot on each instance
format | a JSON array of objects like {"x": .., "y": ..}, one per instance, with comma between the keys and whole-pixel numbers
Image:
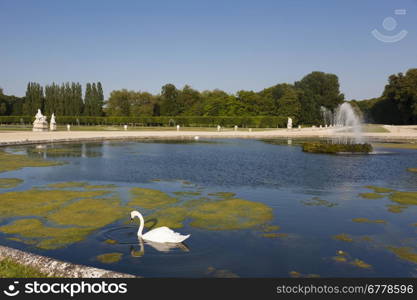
[
  {"x": 68, "y": 184},
  {"x": 404, "y": 253},
  {"x": 109, "y": 258},
  {"x": 100, "y": 186},
  {"x": 378, "y": 189},
  {"x": 366, "y": 238},
  {"x": 360, "y": 264},
  {"x": 270, "y": 228},
  {"x": 46, "y": 237},
  {"x": 405, "y": 198},
  {"x": 149, "y": 198},
  {"x": 60, "y": 151},
  {"x": 295, "y": 274},
  {"x": 79, "y": 184},
  {"x": 8, "y": 183},
  {"x": 89, "y": 213},
  {"x": 274, "y": 235},
  {"x": 187, "y": 193},
  {"x": 11, "y": 162},
  {"x": 110, "y": 242},
  {"x": 366, "y": 220},
  {"x": 172, "y": 217},
  {"x": 221, "y": 273},
  {"x": 230, "y": 214},
  {"x": 343, "y": 237},
  {"x": 316, "y": 201},
  {"x": 371, "y": 195},
  {"x": 35, "y": 202},
  {"x": 209, "y": 213},
  {"x": 339, "y": 258},
  {"x": 223, "y": 195},
  {"x": 396, "y": 208}
]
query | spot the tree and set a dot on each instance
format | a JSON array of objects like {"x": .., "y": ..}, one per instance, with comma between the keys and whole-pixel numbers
[
  {"x": 34, "y": 99},
  {"x": 99, "y": 101},
  {"x": 402, "y": 90},
  {"x": 253, "y": 103},
  {"x": 118, "y": 103},
  {"x": 169, "y": 101},
  {"x": 287, "y": 99},
  {"x": 88, "y": 100},
  {"x": 318, "y": 89},
  {"x": 141, "y": 103}
]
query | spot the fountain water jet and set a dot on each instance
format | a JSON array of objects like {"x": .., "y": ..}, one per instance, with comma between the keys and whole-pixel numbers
[
  {"x": 346, "y": 118},
  {"x": 342, "y": 121}
]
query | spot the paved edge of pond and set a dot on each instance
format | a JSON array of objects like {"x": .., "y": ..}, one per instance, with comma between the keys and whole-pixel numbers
[
  {"x": 27, "y": 137},
  {"x": 57, "y": 268}
]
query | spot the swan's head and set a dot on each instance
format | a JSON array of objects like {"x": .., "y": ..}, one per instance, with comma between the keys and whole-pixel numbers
[{"x": 133, "y": 214}]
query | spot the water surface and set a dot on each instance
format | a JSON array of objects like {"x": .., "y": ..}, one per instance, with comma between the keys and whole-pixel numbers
[{"x": 313, "y": 198}]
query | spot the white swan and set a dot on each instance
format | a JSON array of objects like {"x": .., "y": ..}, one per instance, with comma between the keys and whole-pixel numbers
[{"x": 159, "y": 235}]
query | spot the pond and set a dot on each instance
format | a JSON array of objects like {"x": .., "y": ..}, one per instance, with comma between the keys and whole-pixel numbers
[{"x": 253, "y": 208}]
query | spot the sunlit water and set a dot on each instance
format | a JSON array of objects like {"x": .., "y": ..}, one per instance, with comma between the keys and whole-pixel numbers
[{"x": 281, "y": 176}]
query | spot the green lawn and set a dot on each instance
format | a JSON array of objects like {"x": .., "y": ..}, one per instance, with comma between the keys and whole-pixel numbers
[
  {"x": 11, "y": 269},
  {"x": 130, "y": 128},
  {"x": 373, "y": 128}
]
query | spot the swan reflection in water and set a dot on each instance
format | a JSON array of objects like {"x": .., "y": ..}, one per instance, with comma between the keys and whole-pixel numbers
[{"x": 161, "y": 247}]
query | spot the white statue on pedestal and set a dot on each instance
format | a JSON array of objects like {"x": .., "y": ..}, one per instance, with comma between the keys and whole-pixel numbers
[
  {"x": 40, "y": 123},
  {"x": 52, "y": 125},
  {"x": 289, "y": 123}
]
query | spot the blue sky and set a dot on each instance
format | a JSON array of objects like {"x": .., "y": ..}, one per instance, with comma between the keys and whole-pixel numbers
[{"x": 231, "y": 45}]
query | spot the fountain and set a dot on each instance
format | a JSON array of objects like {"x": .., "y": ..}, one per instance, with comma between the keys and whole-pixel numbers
[
  {"x": 327, "y": 115},
  {"x": 345, "y": 118},
  {"x": 342, "y": 121}
]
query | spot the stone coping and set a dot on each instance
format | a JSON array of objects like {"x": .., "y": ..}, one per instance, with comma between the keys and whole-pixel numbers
[{"x": 57, "y": 268}]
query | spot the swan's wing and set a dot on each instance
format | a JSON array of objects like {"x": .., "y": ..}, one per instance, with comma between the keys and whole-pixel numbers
[{"x": 164, "y": 235}]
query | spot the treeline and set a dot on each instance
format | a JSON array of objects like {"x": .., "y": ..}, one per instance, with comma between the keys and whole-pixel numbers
[
  {"x": 397, "y": 104},
  {"x": 63, "y": 100},
  {"x": 300, "y": 101}
]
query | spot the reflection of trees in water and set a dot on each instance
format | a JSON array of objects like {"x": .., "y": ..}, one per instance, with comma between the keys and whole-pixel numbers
[{"x": 52, "y": 151}]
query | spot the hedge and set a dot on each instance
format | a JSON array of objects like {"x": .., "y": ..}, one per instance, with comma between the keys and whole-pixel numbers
[{"x": 189, "y": 121}]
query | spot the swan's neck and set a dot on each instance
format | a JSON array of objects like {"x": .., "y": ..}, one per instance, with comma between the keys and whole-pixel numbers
[{"x": 141, "y": 224}]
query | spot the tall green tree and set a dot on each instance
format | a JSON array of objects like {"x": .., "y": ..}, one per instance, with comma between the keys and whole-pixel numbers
[
  {"x": 118, "y": 103},
  {"x": 170, "y": 105},
  {"x": 88, "y": 100},
  {"x": 402, "y": 91},
  {"x": 318, "y": 89},
  {"x": 34, "y": 98}
]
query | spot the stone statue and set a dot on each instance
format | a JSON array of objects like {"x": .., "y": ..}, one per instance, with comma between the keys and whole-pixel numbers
[
  {"x": 52, "y": 125},
  {"x": 289, "y": 123},
  {"x": 40, "y": 123}
]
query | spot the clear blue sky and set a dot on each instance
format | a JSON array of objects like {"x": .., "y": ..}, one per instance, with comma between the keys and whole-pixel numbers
[{"x": 230, "y": 45}]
